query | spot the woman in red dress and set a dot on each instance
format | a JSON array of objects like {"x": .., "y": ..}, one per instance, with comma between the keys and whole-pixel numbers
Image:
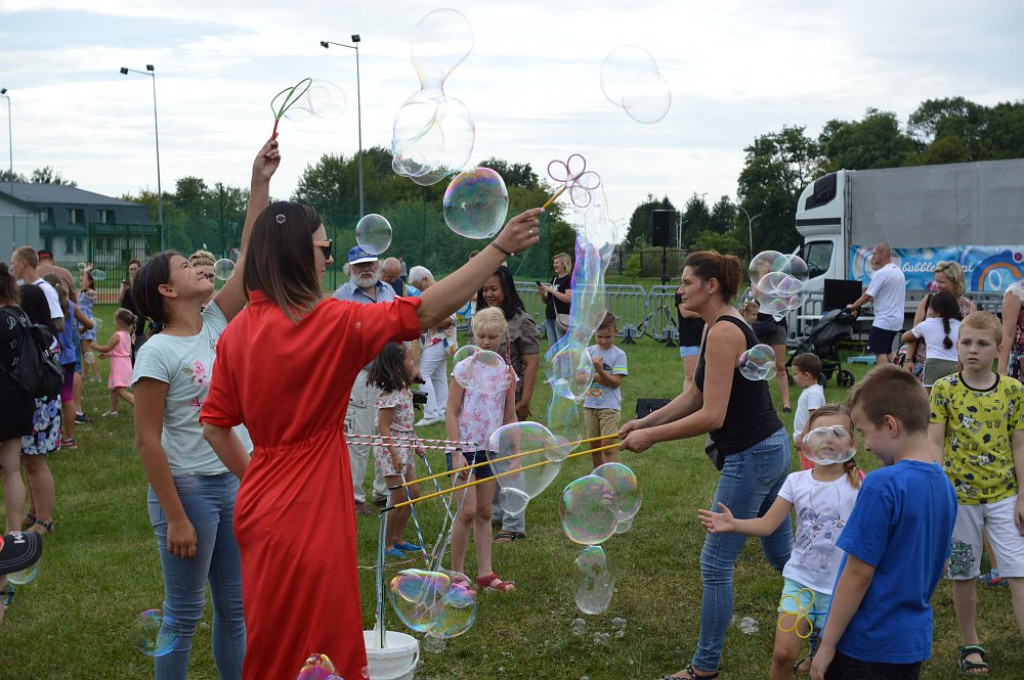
[{"x": 285, "y": 367}]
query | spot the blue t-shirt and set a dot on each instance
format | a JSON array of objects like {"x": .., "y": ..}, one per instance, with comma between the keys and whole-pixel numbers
[{"x": 902, "y": 525}]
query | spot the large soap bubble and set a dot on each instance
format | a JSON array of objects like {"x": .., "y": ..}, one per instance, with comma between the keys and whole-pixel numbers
[
  {"x": 565, "y": 420},
  {"x": 373, "y": 233},
  {"x": 586, "y": 510},
  {"x": 154, "y": 634},
  {"x": 433, "y": 134},
  {"x": 761, "y": 264},
  {"x": 778, "y": 282},
  {"x": 626, "y": 494},
  {"x": 597, "y": 582},
  {"x": 481, "y": 370},
  {"x": 476, "y": 203},
  {"x": 571, "y": 370},
  {"x": 441, "y": 603},
  {"x": 630, "y": 79},
  {"x": 829, "y": 445},
  {"x": 758, "y": 363},
  {"x": 223, "y": 269},
  {"x": 318, "y": 667},
  {"x": 519, "y": 477}
]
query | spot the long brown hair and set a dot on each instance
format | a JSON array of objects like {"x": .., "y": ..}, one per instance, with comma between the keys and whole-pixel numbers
[
  {"x": 726, "y": 269},
  {"x": 145, "y": 286},
  {"x": 279, "y": 260},
  {"x": 8, "y": 286},
  {"x": 849, "y": 467}
]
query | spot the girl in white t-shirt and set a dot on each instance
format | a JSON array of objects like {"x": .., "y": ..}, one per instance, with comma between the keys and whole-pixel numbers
[
  {"x": 473, "y": 416},
  {"x": 940, "y": 332},
  {"x": 823, "y": 499}
]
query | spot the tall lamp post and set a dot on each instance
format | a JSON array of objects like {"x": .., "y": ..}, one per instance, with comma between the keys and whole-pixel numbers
[
  {"x": 156, "y": 131},
  {"x": 359, "y": 111},
  {"x": 10, "y": 137},
  {"x": 750, "y": 226}
]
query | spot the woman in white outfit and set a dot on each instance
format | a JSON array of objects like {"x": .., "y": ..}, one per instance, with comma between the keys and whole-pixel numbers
[{"x": 435, "y": 346}]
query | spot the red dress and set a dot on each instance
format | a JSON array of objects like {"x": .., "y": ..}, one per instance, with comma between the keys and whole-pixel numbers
[{"x": 295, "y": 513}]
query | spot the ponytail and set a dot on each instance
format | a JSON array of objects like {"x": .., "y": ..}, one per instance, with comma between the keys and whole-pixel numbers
[
  {"x": 945, "y": 305},
  {"x": 853, "y": 472}
]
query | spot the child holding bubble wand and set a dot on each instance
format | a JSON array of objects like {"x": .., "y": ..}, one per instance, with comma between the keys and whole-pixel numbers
[
  {"x": 119, "y": 350},
  {"x": 392, "y": 372},
  {"x": 473, "y": 415},
  {"x": 822, "y": 497}
]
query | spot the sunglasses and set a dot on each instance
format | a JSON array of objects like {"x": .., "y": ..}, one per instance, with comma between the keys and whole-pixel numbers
[{"x": 325, "y": 247}]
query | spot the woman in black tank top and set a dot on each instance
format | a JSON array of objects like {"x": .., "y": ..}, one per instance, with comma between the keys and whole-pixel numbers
[{"x": 752, "y": 445}]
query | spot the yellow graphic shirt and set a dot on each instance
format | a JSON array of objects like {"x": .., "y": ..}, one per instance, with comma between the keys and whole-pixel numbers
[{"x": 978, "y": 450}]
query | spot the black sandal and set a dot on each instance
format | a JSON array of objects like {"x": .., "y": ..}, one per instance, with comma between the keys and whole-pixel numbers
[
  {"x": 972, "y": 667},
  {"x": 508, "y": 537}
]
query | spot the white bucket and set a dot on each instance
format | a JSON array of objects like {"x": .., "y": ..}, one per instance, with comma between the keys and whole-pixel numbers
[{"x": 397, "y": 660}]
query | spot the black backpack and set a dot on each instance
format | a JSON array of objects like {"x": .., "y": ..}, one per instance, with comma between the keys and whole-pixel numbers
[{"x": 37, "y": 369}]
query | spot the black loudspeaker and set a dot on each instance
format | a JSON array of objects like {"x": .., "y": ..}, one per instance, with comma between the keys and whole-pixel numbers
[
  {"x": 663, "y": 228},
  {"x": 646, "y": 406}
]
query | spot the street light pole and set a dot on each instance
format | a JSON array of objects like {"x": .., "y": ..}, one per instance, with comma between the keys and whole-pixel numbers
[
  {"x": 10, "y": 138},
  {"x": 750, "y": 226},
  {"x": 359, "y": 112},
  {"x": 156, "y": 131}
]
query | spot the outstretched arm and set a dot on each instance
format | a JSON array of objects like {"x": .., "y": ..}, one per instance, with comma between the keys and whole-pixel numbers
[
  {"x": 724, "y": 522},
  {"x": 232, "y": 297}
]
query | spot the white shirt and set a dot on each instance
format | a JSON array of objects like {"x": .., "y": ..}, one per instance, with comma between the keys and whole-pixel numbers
[
  {"x": 52, "y": 298},
  {"x": 888, "y": 291},
  {"x": 933, "y": 332},
  {"x": 822, "y": 509},
  {"x": 811, "y": 399}
]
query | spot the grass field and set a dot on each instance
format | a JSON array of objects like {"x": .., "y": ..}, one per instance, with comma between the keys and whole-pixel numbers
[{"x": 100, "y": 569}]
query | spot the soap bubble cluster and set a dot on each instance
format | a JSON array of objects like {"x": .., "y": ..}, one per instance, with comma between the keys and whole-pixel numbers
[
  {"x": 596, "y": 506},
  {"x": 778, "y": 282},
  {"x": 441, "y": 603},
  {"x": 758, "y": 363}
]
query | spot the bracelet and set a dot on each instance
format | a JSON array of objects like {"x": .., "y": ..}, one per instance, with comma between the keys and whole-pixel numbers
[{"x": 501, "y": 249}]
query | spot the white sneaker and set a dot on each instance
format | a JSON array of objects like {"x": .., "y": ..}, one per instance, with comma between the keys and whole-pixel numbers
[
  {"x": 107, "y": 414},
  {"x": 423, "y": 422}
]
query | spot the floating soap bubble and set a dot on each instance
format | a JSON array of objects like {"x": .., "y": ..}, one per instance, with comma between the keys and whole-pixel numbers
[
  {"x": 588, "y": 517},
  {"x": 373, "y": 232},
  {"x": 322, "y": 99},
  {"x": 433, "y": 134},
  {"x": 154, "y": 634},
  {"x": 597, "y": 583},
  {"x": 89, "y": 357},
  {"x": 98, "y": 274},
  {"x": 82, "y": 266},
  {"x": 476, "y": 203},
  {"x": 223, "y": 269},
  {"x": 626, "y": 495},
  {"x": 624, "y": 525},
  {"x": 578, "y": 627},
  {"x": 829, "y": 445},
  {"x": 571, "y": 370},
  {"x": 565, "y": 420},
  {"x": 513, "y": 501},
  {"x": 795, "y": 266},
  {"x": 91, "y": 294},
  {"x": 619, "y": 625},
  {"x": 748, "y": 626},
  {"x": 758, "y": 363},
  {"x": 25, "y": 576},
  {"x": 318, "y": 667},
  {"x": 630, "y": 79},
  {"x": 437, "y": 602},
  {"x": 761, "y": 264},
  {"x": 481, "y": 370},
  {"x": 517, "y": 477}
]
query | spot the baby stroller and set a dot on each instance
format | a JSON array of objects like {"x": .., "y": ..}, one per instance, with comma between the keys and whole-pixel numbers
[{"x": 823, "y": 340}]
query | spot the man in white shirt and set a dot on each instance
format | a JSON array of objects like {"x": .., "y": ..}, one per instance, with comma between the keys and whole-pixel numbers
[
  {"x": 24, "y": 265},
  {"x": 887, "y": 294}
]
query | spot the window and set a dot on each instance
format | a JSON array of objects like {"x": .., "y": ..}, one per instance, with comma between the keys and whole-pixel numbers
[
  {"x": 79, "y": 244},
  {"x": 818, "y": 255},
  {"x": 46, "y": 216},
  {"x": 69, "y": 246},
  {"x": 48, "y": 243},
  {"x": 106, "y": 216},
  {"x": 76, "y": 216}
]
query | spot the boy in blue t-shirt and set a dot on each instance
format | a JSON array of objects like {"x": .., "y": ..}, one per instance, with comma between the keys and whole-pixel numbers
[
  {"x": 896, "y": 540},
  {"x": 603, "y": 404}
]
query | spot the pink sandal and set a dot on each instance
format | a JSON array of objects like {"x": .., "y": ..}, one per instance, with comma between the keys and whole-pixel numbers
[{"x": 491, "y": 584}]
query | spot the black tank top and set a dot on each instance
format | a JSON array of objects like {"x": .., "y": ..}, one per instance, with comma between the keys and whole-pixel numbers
[{"x": 750, "y": 416}]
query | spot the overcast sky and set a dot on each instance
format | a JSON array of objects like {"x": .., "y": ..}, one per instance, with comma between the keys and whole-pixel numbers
[{"x": 737, "y": 69}]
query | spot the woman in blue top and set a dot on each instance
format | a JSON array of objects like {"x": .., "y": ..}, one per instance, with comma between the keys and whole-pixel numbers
[{"x": 752, "y": 446}]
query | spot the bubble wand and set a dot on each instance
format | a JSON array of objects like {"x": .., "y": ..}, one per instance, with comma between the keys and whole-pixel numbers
[
  {"x": 375, "y": 438},
  {"x": 501, "y": 474},
  {"x": 498, "y": 460},
  {"x": 801, "y": 614},
  {"x": 291, "y": 96}
]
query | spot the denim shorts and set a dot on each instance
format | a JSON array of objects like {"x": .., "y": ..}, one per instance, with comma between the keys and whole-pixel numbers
[{"x": 473, "y": 457}]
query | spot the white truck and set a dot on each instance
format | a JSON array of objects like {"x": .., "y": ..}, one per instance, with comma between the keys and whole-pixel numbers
[{"x": 972, "y": 213}]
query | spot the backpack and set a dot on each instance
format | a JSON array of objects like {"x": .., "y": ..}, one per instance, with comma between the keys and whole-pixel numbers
[{"x": 37, "y": 369}]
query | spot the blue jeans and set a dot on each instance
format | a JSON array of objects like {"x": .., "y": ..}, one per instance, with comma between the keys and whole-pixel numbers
[
  {"x": 552, "y": 331},
  {"x": 748, "y": 486},
  {"x": 209, "y": 503}
]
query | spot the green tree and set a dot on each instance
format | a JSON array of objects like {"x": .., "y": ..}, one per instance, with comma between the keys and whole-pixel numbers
[
  {"x": 696, "y": 218},
  {"x": 874, "y": 142},
  {"x": 727, "y": 243},
  {"x": 985, "y": 132},
  {"x": 5, "y": 176},
  {"x": 47, "y": 175},
  {"x": 723, "y": 216},
  {"x": 778, "y": 166}
]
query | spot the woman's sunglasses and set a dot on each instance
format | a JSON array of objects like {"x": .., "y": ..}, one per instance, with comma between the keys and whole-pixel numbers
[{"x": 325, "y": 247}]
